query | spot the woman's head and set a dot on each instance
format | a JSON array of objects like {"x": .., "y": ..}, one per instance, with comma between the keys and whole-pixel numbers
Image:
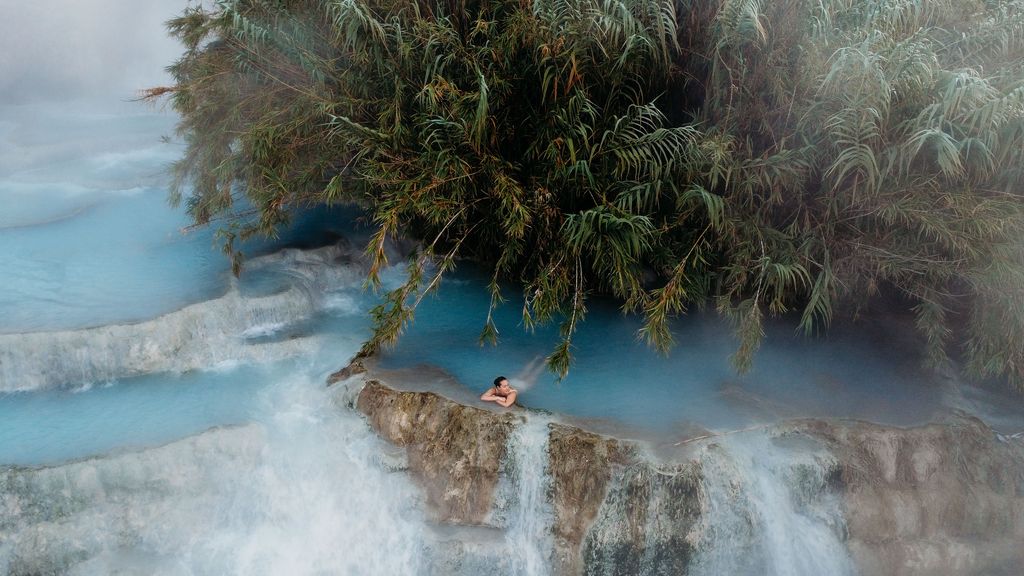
[{"x": 501, "y": 383}]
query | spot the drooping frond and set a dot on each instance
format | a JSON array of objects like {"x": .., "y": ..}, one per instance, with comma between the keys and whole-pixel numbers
[{"x": 798, "y": 157}]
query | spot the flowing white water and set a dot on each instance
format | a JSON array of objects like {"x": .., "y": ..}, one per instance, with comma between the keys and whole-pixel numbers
[
  {"x": 529, "y": 536},
  {"x": 300, "y": 492},
  {"x": 98, "y": 284},
  {"x": 768, "y": 510},
  {"x": 199, "y": 336}
]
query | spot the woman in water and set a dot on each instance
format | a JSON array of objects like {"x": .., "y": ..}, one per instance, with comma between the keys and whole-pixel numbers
[{"x": 501, "y": 393}]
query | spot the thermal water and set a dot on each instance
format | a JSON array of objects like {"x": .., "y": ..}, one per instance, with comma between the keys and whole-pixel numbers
[
  {"x": 861, "y": 371},
  {"x": 234, "y": 327},
  {"x": 297, "y": 490},
  {"x": 158, "y": 416},
  {"x": 86, "y": 234}
]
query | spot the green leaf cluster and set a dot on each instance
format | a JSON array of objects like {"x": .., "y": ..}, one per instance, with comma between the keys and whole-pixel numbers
[{"x": 765, "y": 157}]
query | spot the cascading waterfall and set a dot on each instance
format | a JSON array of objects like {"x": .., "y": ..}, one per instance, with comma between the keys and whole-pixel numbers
[
  {"x": 53, "y": 517},
  {"x": 199, "y": 336},
  {"x": 301, "y": 492},
  {"x": 97, "y": 284},
  {"x": 768, "y": 510},
  {"x": 529, "y": 532}
]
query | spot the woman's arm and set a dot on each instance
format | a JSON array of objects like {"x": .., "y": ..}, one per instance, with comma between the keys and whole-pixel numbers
[
  {"x": 490, "y": 396},
  {"x": 507, "y": 400}
]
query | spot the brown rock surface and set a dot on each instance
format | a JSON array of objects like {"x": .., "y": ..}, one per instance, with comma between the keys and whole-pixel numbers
[
  {"x": 454, "y": 451},
  {"x": 942, "y": 499},
  {"x": 581, "y": 467},
  {"x": 355, "y": 367}
]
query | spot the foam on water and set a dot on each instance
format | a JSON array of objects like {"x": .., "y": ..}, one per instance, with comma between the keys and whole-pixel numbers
[
  {"x": 224, "y": 329},
  {"x": 263, "y": 330},
  {"x": 768, "y": 510},
  {"x": 298, "y": 492},
  {"x": 529, "y": 536}
]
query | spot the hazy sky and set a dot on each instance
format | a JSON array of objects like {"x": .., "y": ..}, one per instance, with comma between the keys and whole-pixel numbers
[{"x": 72, "y": 49}]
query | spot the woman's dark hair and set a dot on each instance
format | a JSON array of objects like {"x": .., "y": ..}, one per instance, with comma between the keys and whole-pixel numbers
[{"x": 497, "y": 381}]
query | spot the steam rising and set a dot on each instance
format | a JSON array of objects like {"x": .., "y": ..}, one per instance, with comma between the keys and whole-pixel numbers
[{"x": 61, "y": 50}]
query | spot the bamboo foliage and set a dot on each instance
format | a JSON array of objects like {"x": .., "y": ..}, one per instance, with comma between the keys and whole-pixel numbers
[
  {"x": 905, "y": 119},
  {"x": 769, "y": 158}
]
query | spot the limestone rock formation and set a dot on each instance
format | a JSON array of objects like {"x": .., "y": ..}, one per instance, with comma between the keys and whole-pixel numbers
[
  {"x": 354, "y": 368},
  {"x": 646, "y": 522},
  {"x": 54, "y": 517},
  {"x": 615, "y": 512},
  {"x": 581, "y": 470},
  {"x": 942, "y": 499},
  {"x": 454, "y": 451}
]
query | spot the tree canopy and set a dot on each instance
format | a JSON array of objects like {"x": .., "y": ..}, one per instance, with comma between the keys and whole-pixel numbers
[{"x": 760, "y": 157}]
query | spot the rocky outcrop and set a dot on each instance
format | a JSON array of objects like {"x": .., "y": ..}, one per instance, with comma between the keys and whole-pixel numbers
[
  {"x": 942, "y": 499},
  {"x": 581, "y": 468},
  {"x": 454, "y": 451},
  {"x": 646, "y": 522},
  {"x": 354, "y": 368},
  {"x": 616, "y": 513}
]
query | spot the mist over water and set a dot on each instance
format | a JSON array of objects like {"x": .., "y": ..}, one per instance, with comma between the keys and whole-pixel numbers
[
  {"x": 768, "y": 512},
  {"x": 61, "y": 50},
  {"x": 869, "y": 370},
  {"x": 158, "y": 416},
  {"x": 296, "y": 492},
  {"x": 172, "y": 420},
  {"x": 83, "y": 207}
]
